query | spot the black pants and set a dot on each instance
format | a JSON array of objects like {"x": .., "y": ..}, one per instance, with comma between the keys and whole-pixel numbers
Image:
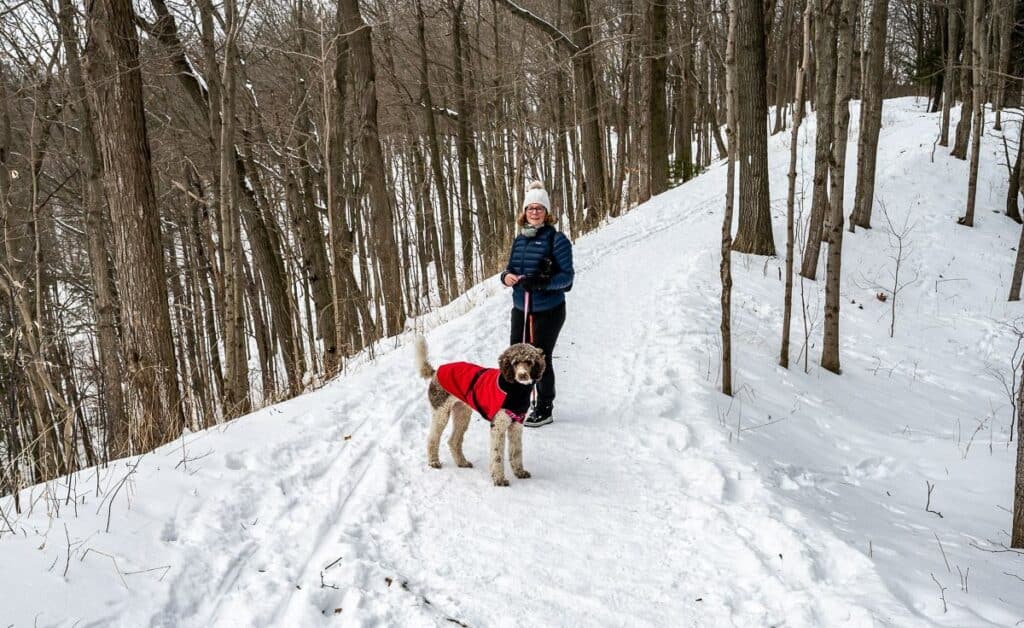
[{"x": 542, "y": 332}]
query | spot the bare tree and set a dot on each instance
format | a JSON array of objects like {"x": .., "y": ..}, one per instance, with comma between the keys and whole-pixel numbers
[
  {"x": 963, "y": 127},
  {"x": 825, "y": 12},
  {"x": 725, "y": 269},
  {"x": 657, "y": 126},
  {"x": 952, "y": 47},
  {"x": 871, "y": 120},
  {"x": 979, "y": 58},
  {"x": 754, "y": 233},
  {"x": 798, "y": 116},
  {"x": 1017, "y": 528},
  {"x": 830, "y": 344},
  {"x": 113, "y": 66},
  {"x": 109, "y": 343},
  {"x": 360, "y": 44}
]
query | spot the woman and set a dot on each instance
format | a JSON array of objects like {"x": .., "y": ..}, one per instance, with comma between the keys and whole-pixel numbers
[{"x": 539, "y": 272}]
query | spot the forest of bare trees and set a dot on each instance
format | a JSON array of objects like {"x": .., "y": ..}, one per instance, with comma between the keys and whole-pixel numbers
[{"x": 208, "y": 207}]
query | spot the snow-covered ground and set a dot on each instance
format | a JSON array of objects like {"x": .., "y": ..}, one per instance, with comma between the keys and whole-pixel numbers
[{"x": 655, "y": 500}]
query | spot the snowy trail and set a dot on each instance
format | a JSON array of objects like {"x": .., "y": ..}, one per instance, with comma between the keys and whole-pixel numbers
[
  {"x": 637, "y": 513},
  {"x": 643, "y": 510}
]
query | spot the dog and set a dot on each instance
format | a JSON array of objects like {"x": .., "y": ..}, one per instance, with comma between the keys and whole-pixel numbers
[{"x": 501, "y": 395}]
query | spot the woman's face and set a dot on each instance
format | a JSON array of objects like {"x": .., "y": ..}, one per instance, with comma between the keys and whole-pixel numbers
[{"x": 535, "y": 214}]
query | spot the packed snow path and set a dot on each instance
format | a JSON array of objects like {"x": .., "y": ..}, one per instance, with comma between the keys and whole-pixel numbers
[
  {"x": 637, "y": 512},
  {"x": 643, "y": 510}
]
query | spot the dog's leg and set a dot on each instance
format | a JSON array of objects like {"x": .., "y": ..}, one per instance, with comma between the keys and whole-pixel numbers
[
  {"x": 515, "y": 449},
  {"x": 438, "y": 421},
  {"x": 461, "y": 414},
  {"x": 498, "y": 428}
]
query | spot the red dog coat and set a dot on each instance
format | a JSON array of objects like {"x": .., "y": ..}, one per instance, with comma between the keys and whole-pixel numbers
[{"x": 484, "y": 389}]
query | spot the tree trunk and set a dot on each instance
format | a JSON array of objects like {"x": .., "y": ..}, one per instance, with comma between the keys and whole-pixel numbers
[
  {"x": 725, "y": 267},
  {"x": 236, "y": 384},
  {"x": 754, "y": 233},
  {"x": 830, "y": 344},
  {"x": 825, "y": 12},
  {"x": 113, "y": 67},
  {"x": 798, "y": 116},
  {"x": 870, "y": 120},
  {"x": 589, "y": 115},
  {"x": 963, "y": 127},
  {"x": 349, "y": 305},
  {"x": 657, "y": 125},
  {"x": 109, "y": 345},
  {"x": 841, "y": 121},
  {"x": 464, "y": 148},
  {"x": 782, "y": 88},
  {"x": 979, "y": 59},
  {"x": 1006, "y": 21},
  {"x": 1013, "y": 189},
  {"x": 1017, "y": 529},
  {"x": 445, "y": 265},
  {"x": 952, "y": 49},
  {"x": 364, "y": 74}
]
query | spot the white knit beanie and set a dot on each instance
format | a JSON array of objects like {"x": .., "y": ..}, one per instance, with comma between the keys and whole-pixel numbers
[{"x": 535, "y": 193}]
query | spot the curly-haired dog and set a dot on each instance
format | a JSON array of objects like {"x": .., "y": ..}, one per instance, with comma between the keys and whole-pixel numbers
[{"x": 501, "y": 395}]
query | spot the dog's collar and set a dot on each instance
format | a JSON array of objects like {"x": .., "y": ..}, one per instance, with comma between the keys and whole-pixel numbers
[{"x": 516, "y": 418}]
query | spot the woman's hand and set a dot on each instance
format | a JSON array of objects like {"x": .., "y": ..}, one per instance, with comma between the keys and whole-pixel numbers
[{"x": 511, "y": 280}]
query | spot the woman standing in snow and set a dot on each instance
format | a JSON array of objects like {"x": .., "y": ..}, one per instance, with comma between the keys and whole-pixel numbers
[{"x": 540, "y": 272}]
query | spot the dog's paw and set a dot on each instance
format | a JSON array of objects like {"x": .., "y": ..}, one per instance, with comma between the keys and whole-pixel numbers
[
  {"x": 500, "y": 482},
  {"x": 466, "y": 464},
  {"x": 436, "y": 464},
  {"x": 522, "y": 474}
]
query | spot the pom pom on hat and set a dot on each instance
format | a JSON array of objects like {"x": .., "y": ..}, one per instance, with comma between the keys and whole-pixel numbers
[{"x": 536, "y": 194}]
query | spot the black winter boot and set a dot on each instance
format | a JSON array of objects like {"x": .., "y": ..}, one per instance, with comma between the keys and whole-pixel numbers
[{"x": 541, "y": 415}]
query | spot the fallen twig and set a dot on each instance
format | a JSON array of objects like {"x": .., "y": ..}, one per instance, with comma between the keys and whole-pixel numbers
[
  {"x": 943, "y": 551},
  {"x": 928, "y": 504},
  {"x": 942, "y": 593}
]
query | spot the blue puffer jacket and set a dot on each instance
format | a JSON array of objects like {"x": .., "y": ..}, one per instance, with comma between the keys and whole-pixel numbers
[{"x": 525, "y": 259}]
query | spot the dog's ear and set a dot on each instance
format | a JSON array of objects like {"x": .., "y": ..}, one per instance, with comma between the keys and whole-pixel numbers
[
  {"x": 538, "y": 366},
  {"x": 505, "y": 365}
]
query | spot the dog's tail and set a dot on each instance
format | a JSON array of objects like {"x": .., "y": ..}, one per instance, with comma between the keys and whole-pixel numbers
[{"x": 426, "y": 371}]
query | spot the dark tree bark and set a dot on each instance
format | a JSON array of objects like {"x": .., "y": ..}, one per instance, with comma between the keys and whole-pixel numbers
[
  {"x": 1014, "y": 187},
  {"x": 979, "y": 59},
  {"x": 375, "y": 168},
  {"x": 754, "y": 233},
  {"x": 113, "y": 67},
  {"x": 825, "y": 12},
  {"x": 963, "y": 127},
  {"x": 1007, "y": 10},
  {"x": 117, "y": 444},
  {"x": 782, "y": 92},
  {"x": 952, "y": 49},
  {"x": 584, "y": 68},
  {"x": 352, "y": 320},
  {"x": 870, "y": 120},
  {"x": 657, "y": 126}
]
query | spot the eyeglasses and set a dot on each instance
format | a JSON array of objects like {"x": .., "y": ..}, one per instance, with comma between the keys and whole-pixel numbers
[{"x": 536, "y": 208}]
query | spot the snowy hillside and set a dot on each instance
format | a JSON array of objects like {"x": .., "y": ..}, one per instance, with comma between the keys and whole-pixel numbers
[{"x": 654, "y": 501}]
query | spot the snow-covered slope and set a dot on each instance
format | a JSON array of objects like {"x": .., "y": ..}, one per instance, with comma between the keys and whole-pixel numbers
[{"x": 654, "y": 501}]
